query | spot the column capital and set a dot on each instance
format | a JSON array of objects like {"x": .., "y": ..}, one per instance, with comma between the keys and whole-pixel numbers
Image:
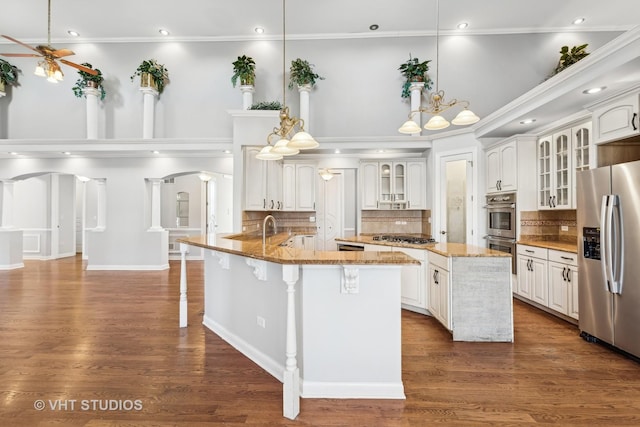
[
  {"x": 149, "y": 91},
  {"x": 247, "y": 88},
  {"x": 305, "y": 88},
  {"x": 416, "y": 86}
]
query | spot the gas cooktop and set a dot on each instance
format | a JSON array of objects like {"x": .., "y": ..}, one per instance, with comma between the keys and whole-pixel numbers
[{"x": 403, "y": 239}]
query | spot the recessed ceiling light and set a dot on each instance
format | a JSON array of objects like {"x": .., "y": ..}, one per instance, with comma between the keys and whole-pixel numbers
[
  {"x": 227, "y": 151},
  {"x": 163, "y": 32},
  {"x": 155, "y": 152},
  {"x": 578, "y": 21},
  {"x": 259, "y": 30},
  {"x": 463, "y": 25},
  {"x": 66, "y": 153},
  {"x": 527, "y": 121},
  {"x": 374, "y": 27},
  {"x": 73, "y": 33},
  {"x": 336, "y": 151},
  {"x": 13, "y": 153},
  {"x": 593, "y": 90},
  {"x": 379, "y": 151}
]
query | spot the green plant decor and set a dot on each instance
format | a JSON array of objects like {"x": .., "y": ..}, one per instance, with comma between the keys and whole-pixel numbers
[
  {"x": 266, "y": 105},
  {"x": 570, "y": 56},
  {"x": 159, "y": 73},
  {"x": 9, "y": 73},
  {"x": 301, "y": 73},
  {"x": 81, "y": 83},
  {"x": 244, "y": 68},
  {"x": 414, "y": 71}
]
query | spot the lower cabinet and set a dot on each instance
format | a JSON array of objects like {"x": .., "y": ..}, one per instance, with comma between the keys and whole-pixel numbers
[
  {"x": 439, "y": 289},
  {"x": 306, "y": 242},
  {"x": 549, "y": 278}
]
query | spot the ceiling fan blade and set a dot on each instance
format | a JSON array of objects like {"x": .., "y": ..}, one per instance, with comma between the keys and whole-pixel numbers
[
  {"x": 20, "y": 43},
  {"x": 62, "y": 52},
  {"x": 21, "y": 55},
  {"x": 80, "y": 67}
]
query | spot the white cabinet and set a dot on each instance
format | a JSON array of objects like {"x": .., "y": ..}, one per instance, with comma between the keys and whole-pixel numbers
[
  {"x": 369, "y": 185},
  {"x": 262, "y": 182},
  {"x": 306, "y": 242},
  {"x": 299, "y": 187},
  {"x": 549, "y": 278},
  {"x": 502, "y": 174},
  {"x": 416, "y": 185},
  {"x": 617, "y": 119},
  {"x": 413, "y": 289},
  {"x": 439, "y": 289},
  {"x": 393, "y": 184},
  {"x": 563, "y": 285},
  {"x": 560, "y": 155}
]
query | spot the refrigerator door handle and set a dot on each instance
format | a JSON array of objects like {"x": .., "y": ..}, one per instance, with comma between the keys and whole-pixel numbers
[
  {"x": 617, "y": 266},
  {"x": 605, "y": 243}
]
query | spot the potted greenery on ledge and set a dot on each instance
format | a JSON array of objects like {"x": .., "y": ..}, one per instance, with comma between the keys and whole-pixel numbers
[
  {"x": 414, "y": 71},
  {"x": 244, "y": 68},
  {"x": 301, "y": 73},
  {"x": 152, "y": 74},
  {"x": 570, "y": 56},
  {"x": 8, "y": 75},
  {"x": 89, "y": 80}
]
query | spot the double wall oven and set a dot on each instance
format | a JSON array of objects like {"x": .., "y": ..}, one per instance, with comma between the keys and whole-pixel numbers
[{"x": 501, "y": 224}]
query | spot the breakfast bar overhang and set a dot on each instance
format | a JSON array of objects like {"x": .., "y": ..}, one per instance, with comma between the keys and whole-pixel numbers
[{"x": 326, "y": 324}]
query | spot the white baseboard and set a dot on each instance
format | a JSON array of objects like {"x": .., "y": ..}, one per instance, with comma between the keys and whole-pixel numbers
[
  {"x": 11, "y": 266},
  {"x": 37, "y": 257},
  {"x": 128, "y": 267},
  {"x": 354, "y": 390},
  {"x": 265, "y": 362}
]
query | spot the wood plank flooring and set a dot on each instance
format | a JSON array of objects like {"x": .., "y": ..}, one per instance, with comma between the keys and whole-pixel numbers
[{"x": 112, "y": 338}]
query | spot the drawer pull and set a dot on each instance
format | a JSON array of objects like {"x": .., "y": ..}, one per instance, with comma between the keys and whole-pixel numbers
[
  {"x": 529, "y": 251},
  {"x": 567, "y": 258}
]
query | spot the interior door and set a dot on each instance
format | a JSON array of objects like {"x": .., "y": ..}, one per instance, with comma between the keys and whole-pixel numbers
[
  {"x": 456, "y": 196},
  {"x": 330, "y": 214},
  {"x": 63, "y": 216}
]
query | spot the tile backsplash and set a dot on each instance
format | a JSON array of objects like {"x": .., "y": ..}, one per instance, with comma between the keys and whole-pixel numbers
[
  {"x": 298, "y": 222},
  {"x": 396, "y": 222},
  {"x": 549, "y": 225}
]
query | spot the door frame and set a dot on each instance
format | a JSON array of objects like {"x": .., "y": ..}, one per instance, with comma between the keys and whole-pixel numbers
[{"x": 472, "y": 191}]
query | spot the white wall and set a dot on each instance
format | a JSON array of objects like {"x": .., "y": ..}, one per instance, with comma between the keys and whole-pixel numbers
[{"x": 360, "y": 96}]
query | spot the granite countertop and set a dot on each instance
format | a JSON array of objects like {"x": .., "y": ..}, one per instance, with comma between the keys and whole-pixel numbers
[
  {"x": 444, "y": 249},
  {"x": 558, "y": 245},
  {"x": 250, "y": 245}
]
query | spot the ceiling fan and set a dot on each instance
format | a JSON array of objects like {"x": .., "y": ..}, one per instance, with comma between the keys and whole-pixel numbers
[{"x": 48, "y": 67}]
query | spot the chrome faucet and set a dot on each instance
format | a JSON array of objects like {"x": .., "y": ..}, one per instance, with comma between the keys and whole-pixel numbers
[{"x": 264, "y": 227}]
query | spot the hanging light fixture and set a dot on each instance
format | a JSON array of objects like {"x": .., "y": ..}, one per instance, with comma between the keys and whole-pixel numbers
[
  {"x": 290, "y": 136},
  {"x": 437, "y": 103}
]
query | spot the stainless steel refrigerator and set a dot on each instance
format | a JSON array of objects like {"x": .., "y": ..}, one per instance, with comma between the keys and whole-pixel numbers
[{"x": 608, "y": 215}]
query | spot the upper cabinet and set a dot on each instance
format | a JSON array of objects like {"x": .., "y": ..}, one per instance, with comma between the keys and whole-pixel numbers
[
  {"x": 560, "y": 155},
  {"x": 262, "y": 182},
  {"x": 617, "y": 119},
  {"x": 502, "y": 174},
  {"x": 394, "y": 184},
  {"x": 299, "y": 186}
]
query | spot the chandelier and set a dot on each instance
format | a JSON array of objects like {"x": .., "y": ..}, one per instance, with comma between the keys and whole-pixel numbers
[
  {"x": 290, "y": 136},
  {"x": 50, "y": 69},
  {"x": 437, "y": 103}
]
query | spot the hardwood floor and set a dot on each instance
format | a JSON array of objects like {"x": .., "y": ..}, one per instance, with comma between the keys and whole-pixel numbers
[{"x": 110, "y": 342}]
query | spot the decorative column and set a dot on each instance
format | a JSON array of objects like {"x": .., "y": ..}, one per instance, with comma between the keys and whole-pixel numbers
[
  {"x": 150, "y": 95},
  {"x": 155, "y": 204},
  {"x": 183, "y": 286},
  {"x": 247, "y": 96},
  {"x": 6, "y": 204},
  {"x": 91, "y": 94},
  {"x": 291, "y": 386},
  {"x": 101, "y": 189},
  {"x": 416, "y": 100},
  {"x": 305, "y": 91}
]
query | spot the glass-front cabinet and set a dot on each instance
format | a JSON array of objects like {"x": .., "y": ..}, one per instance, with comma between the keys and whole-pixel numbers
[
  {"x": 560, "y": 156},
  {"x": 393, "y": 185}
]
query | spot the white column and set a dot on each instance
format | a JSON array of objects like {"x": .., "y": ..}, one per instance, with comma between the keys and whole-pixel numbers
[
  {"x": 183, "y": 286},
  {"x": 305, "y": 91},
  {"x": 247, "y": 96},
  {"x": 416, "y": 100},
  {"x": 91, "y": 94},
  {"x": 150, "y": 95},
  {"x": 291, "y": 386},
  {"x": 155, "y": 204},
  {"x": 101, "y": 190},
  {"x": 6, "y": 204}
]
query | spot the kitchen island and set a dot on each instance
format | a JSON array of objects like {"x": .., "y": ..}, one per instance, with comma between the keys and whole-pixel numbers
[
  {"x": 467, "y": 288},
  {"x": 327, "y": 324}
]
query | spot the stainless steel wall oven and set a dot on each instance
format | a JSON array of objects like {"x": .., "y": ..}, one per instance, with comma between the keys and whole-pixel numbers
[{"x": 501, "y": 224}]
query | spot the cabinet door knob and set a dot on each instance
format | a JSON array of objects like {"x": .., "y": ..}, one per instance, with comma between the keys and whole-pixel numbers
[
  {"x": 568, "y": 275},
  {"x": 633, "y": 121}
]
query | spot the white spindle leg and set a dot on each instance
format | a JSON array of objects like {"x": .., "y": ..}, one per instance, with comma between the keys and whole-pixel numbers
[
  {"x": 183, "y": 285},
  {"x": 291, "y": 386}
]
